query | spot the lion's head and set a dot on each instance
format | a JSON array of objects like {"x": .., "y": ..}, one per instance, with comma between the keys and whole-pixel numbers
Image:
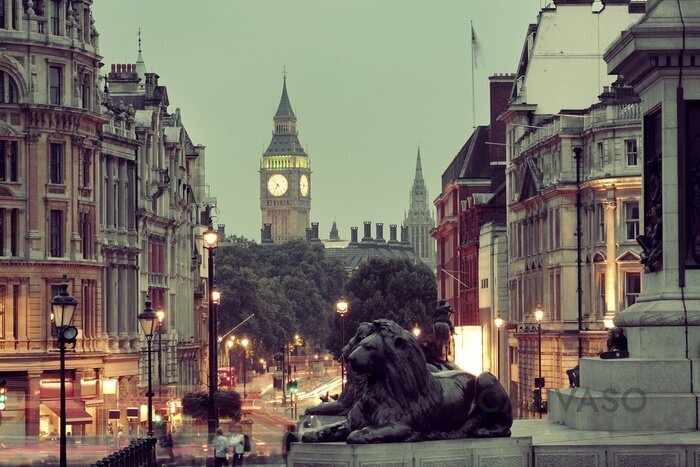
[{"x": 395, "y": 367}]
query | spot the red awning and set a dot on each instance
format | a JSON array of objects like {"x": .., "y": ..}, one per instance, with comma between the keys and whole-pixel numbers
[{"x": 75, "y": 411}]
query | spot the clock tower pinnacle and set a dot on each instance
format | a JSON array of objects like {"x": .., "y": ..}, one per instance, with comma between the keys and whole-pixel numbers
[{"x": 285, "y": 177}]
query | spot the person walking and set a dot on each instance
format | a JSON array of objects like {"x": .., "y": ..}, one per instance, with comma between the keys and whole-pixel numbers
[
  {"x": 289, "y": 437},
  {"x": 237, "y": 443},
  {"x": 220, "y": 448}
]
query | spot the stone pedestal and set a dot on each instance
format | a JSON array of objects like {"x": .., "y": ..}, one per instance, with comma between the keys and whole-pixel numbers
[
  {"x": 502, "y": 452},
  {"x": 656, "y": 389}
]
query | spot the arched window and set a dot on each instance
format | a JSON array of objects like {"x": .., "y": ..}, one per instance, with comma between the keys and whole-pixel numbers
[{"x": 9, "y": 94}]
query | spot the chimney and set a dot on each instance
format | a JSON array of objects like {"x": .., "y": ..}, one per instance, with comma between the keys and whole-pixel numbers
[
  {"x": 380, "y": 232},
  {"x": 500, "y": 86},
  {"x": 221, "y": 230},
  {"x": 151, "y": 84},
  {"x": 392, "y": 235},
  {"x": 314, "y": 232},
  {"x": 368, "y": 232},
  {"x": 404, "y": 234},
  {"x": 309, "y": 234},
  {"x": 353, "y": 236}
]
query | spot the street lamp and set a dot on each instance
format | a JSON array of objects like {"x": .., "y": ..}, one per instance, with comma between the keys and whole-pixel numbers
[
  {"x": 147, "y": 320},
  {"x": 211, "y": 242},
  {"x": 161, "y": 316},
  {"x": 498, "y": 322},
  {"x": 342, "y": 309},
  {"x": 539, "y": 382},
  {"x": 63, "y": 308},
  {"x": 244, "y": 343},
  {"x": 416, "y": 331},
  {"x": 229, "y": 344}
]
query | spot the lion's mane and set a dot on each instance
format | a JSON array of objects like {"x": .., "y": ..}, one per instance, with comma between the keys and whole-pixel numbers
[{"x": 403, "y": 389}]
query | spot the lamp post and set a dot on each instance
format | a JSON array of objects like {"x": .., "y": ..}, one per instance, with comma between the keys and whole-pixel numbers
[
  {"x": 211, "y": 242},
  {"x": 161, "y": 316},
  {"x": 229, "y": 344},
  {"x": 416, "y": 331},
  {"x": 539, "y": 382},
  {"x": 147, "y": 320},
  {"x": 63, "y": 308},
  {"x": 498, "y": 322},
  {"x": 342, "y": 309},
  {"x": 244, "y": 343}
]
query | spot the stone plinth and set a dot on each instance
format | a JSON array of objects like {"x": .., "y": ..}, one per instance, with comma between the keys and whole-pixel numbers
[{"x": 501, "y": 452}]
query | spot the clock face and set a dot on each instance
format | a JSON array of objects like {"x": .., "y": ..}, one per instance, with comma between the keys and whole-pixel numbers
[
  {"x": 277, "y": 185},
  {"x": 304, "y": 185}
]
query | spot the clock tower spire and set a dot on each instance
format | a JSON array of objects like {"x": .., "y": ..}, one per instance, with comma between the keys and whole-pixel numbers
[{"x": 285, "y": 176}]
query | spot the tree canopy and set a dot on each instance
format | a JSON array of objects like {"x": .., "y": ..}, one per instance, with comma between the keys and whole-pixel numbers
[
  {"x": 290, "y": 288},
  {"x": 395, "y": 289}
]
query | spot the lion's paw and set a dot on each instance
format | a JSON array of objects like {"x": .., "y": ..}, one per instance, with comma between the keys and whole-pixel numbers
[
  {"x": 359, "y": 436},
  {"x": 310, "y": 437}
]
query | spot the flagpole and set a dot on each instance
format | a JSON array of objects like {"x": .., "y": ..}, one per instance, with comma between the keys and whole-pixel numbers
[{"x": 473, "y": 93}]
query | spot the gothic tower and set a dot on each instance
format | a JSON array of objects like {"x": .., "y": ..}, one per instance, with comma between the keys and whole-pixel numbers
[
  {"x": 420, "y": 220},
  {"x": 285, "y": 177}
]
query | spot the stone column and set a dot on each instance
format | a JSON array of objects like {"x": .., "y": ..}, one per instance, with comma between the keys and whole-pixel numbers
[
  {"x": 611, "y": 295},
  {"x": 112, "y": 310},
  {"x": 123, "y": 198},
  {"x": 123, "y": 298},
  {"x": 109, "y": 196},
  {"x": 36, "y": 177}
]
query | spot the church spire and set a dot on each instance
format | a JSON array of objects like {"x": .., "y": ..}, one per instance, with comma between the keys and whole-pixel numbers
[
  {"x": 419, "y": 168},
  {"x": 141, "y": 66}
]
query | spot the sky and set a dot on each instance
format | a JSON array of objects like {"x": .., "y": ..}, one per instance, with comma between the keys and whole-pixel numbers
[{"x": 369, "y": 81}]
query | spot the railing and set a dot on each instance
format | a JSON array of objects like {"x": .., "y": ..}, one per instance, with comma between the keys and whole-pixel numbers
[
  {"x": 139, "y": 453},
  {"x": 613, "y": 114}
]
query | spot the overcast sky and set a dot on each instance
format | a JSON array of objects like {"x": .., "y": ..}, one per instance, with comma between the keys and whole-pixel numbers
[{"x": 369, "y": 80}]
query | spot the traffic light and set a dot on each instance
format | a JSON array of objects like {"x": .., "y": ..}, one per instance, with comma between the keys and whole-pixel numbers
[
  {"x": 157, "y": 419},
  {"x": 3, "y": 394},
  {"x": 293, "y": 386}
]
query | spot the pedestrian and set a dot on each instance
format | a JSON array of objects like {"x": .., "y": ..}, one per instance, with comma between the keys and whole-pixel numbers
[
  {"x": 168, "y": 445},
  {"x": 220, "y": 448},
  {"x": 237, "y": 443},
  {"x": 120, "y": 438},
  {"x": 289, "y": 437}
]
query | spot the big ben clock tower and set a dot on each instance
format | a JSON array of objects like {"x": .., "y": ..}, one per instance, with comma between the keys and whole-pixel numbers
[{"x": 285, "y": 177}]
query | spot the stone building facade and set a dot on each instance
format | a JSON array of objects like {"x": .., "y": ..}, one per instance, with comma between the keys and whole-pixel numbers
[
  {"x": 420, "y": 220},
  {"x": 285, "y": 177},
  {"x": 81, "y": 195},
  {"x": 541, "y": 184},
  {"x": 50, "y": 193}
]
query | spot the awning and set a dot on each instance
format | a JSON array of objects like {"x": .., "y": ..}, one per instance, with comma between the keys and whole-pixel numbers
[{"x": 75, "y": 411}]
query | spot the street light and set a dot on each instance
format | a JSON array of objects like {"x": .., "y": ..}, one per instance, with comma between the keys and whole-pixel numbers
[
  {"x": 211, "y": 242},
  {"x": 63, "y": 308},
  {"x": 244, "y": 343},
  {"x": 147, "y": 320},
  {"x": 342, "y": 309},
  {"x": 416, "y": 331},
  {"x": 539, "y": 382},
  {"x": 161, "y": 316},
  {"x": 498, "y": 322},
  {"x": 229, "y": 344}
]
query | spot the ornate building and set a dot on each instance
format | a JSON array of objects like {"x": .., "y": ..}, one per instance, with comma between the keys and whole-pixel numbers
[
  {"x": 420, "y": 219},
  {"x": 545, "y": 147},
  {"x": 50, "y": 191},
  {"x": 285, "y": 177}
]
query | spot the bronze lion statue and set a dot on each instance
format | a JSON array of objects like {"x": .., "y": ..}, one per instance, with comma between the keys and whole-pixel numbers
[{"x": 401, "y": 400}]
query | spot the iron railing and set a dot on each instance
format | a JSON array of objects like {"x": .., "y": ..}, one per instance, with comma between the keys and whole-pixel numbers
[{"x": 139, "y": 453}]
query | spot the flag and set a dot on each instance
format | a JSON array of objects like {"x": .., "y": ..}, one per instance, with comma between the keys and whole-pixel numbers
[{"x": 475, "y": 47}]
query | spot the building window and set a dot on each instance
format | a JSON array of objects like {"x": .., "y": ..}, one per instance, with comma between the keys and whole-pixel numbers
[
  {"x": 633, "y": 286},
  {"x": 54, "y": 17},
  {"x": 8, "y": 89},
  {"x": 484, "y": 283},
  {"x": 600, "y": 216},
  {"x": 86, "y": 235},
  {"x": 85, "y": 92},
  {"x": 9, "y": 161},
  {"x": 86, "y": 169},
  {"x": 631, "y": 150},
  {"x": 632, "y": 219},
  {"x": 601, "y": 155},
  {"x": 55, "y": 85},
  {"x": 56, "y": 171},
  {"x": 15, "y": 311},
  {"x": 14, "y": 232},
  {"x": 557, "y": 228},
  {"x": 2, "y": 311},
  {"x": 600, "y": 286},
  {"x": 56, "y": 233}
]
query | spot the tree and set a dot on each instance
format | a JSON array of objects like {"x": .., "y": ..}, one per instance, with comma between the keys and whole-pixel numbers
[
  {"x": 290, "y": 288},
  {"x": 196, "y": 404},
  {"x": 395, "y": 289}
]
